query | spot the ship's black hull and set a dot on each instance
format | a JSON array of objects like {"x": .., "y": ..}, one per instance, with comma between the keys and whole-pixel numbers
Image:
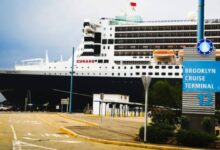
[{"x": 51, "y": 89}]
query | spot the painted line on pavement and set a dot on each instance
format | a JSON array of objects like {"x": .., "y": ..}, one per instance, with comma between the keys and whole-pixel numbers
[
  {"x": 14, "y": 133},
  {"x": 66, "y": 141},
  {"x": 27, "y": 138},
  {"x": 37, "y": 146},
  {"x": 15, "y": 143},
  {"x": 29, "y": 134},
  {"x": 61, "y": 141}
]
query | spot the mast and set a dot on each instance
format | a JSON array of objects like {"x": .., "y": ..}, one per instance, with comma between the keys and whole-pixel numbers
[{"x": 46, "y": 57}]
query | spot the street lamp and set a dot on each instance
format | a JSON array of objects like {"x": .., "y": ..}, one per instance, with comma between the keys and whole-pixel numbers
[{"x": 146, "y": 81}]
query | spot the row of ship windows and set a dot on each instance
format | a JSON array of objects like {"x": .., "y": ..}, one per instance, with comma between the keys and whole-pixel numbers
[
  {"x": 106, "y": 47},
  {"x": 125, "y": 74},
  {"x": 140, "y": 67},
  {"x": 55, "y": 67},
  {"x": 150, "y": 74},
  {"x": 141, "y": 54},
  {"x": 56, "y": 74},
  {"x": 128, "y": 41},
  {"x": 165, "y": 34},
  {"x": 137, "y": 74},
  {"x": 182, "y": 40},
  {"x": 109, "y": 28},
  {"x": 149, "y": 67},
  {"x": 140, "y": 47},
  {"x": 155, "y": 28},
  {"x": 105, "y": 35},
  {"x": 107, "y": 41},
  {"x": 133, "y": 47},
  {"x": 185, "y": 40},
  {"x": 135, "y": 62}
]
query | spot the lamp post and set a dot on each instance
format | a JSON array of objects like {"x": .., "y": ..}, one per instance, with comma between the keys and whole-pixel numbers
[
  {"x": 71, "y": 83},
  {"x": 146, "y": 81},
  {"x": 100, "y": 107},
  {"x": 201, "y": 10}
]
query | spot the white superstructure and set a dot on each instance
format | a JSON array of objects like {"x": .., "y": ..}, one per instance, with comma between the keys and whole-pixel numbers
[{"x": 128, "y": 47}]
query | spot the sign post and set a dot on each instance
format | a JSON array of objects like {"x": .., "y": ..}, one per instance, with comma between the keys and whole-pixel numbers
[
  {"x": 100, "y": 107},
  {"x": 146, "y": 81},
  {"x": 65, "y": 101}
]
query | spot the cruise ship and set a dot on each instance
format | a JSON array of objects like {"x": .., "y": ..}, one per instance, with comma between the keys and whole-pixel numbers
[{"x": 113, "y": 55}]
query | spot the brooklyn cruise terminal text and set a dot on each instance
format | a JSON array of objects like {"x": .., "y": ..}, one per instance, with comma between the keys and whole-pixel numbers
[{"x": 197, "y": 78}]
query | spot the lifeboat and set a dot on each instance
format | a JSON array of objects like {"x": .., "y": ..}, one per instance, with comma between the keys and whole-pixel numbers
[
  {"x": 180, "y": 53},
  {"x": 217, "y": 53},
  {"x": 163, "y": 53},
  {"x": 166, "y": 56}
]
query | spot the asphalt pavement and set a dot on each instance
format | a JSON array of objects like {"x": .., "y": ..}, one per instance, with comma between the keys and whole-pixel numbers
[{"x": 41, "y": 131}]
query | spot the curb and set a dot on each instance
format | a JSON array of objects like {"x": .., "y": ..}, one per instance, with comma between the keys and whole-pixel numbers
[
  {"x": 78, "y": 120},
  {"x": 150, "y": 146}
]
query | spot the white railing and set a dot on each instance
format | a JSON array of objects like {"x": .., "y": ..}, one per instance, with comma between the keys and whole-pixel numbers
[{"x": 35, "y": 61}]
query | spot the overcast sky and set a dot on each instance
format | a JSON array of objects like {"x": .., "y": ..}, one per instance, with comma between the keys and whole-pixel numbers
[{"x": 29, "y": 27}]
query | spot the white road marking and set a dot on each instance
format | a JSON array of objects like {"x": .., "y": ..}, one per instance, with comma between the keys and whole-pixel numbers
[
  {"x": 14, "y": 133},
  {"x": 28, "y": 138},
  {"x": 63, "y": 141},
  {"x": 29, "y": 134},
  {"x": 67, "y": 136},
  {"x": 37, "y": 146},
  {"x": 16, "y": 144},
  {"x": 34, "y": 122},
  {"x": 54, "y": 135}
]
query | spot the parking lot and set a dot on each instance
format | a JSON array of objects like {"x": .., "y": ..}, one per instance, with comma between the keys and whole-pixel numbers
[{"x": 25, "y": 131}]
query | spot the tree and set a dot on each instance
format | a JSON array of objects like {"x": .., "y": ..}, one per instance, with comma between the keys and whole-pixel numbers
[
  {"x": 164, "y": 94},
  {"x": 184, "y": 121},
  {"x": 207, "y": 124}
]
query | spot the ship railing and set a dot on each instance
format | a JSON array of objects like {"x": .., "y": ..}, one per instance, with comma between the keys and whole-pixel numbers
[
  {"x": 164, "y": 21},
  {"x": 36, "y": 61}
]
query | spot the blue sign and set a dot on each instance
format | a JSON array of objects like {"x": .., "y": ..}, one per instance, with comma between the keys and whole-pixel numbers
[
  {"x": 201, "y": 76},
  {"x": 205, "y": 47}
]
